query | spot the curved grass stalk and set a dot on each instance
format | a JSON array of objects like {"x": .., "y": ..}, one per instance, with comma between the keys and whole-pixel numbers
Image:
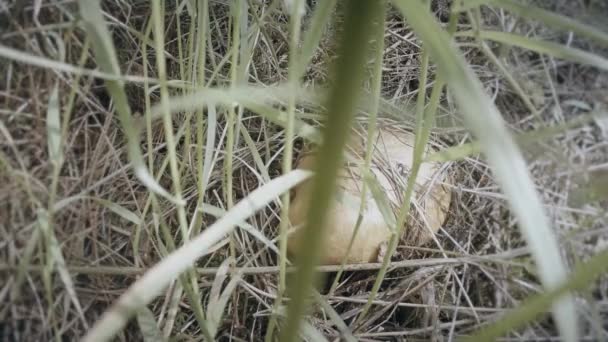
[
  {"x": 463, "y": 151},
  {"x": 503, "y": 156}
]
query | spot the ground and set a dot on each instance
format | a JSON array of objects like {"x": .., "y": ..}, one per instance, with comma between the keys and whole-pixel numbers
[{"x": 108, "y": 229}]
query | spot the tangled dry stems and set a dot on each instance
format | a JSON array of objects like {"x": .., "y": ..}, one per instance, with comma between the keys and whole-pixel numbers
[{"x": 491, "y": 271}]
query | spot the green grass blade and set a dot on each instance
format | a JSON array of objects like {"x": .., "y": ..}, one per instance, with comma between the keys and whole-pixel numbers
[
  {"x": 150, "y": 285},
  {"x": 485, "y": 121},
  {"x": 359, "y": 17},
  {"x": 209, "y": 145}
]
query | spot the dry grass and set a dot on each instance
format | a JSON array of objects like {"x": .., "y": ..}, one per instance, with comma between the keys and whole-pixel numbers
[{"x": 479, "y": 268}]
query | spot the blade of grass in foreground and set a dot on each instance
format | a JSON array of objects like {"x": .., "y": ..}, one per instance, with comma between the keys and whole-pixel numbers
[
  {"x": 359, "y": 18},
  {"x": 158, "y": 277},
  {"x": 502, "y": 154}
]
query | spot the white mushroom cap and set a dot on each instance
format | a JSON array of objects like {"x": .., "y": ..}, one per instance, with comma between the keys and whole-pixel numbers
[{"x": 391, "y": 162}]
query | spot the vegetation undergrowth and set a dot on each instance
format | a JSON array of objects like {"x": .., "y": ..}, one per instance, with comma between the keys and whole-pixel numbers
[{"x": 148, "y": 153}]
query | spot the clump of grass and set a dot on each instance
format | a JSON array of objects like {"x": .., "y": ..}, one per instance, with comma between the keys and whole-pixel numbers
[{"x": 146, "y": 161}]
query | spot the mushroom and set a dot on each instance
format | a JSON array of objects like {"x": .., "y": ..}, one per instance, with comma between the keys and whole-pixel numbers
[{"x": 392, "y": 153}]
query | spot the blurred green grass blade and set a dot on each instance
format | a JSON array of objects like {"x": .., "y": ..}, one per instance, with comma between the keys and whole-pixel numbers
[
  {"x": 103, "y": 47},
  {"x": 463, "y": 151},
  {"x": 542, "y": 46},
  {"x": 148, "y": 326},
  {"x": 150, "y": 285},
  {"x": 511, "y": 172},
  {"x": 582, "y": 278},
  {"x": 342, "y": 102},
  {"x": 53, "y": 129},
  {"x": 547, "y": 17}
]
